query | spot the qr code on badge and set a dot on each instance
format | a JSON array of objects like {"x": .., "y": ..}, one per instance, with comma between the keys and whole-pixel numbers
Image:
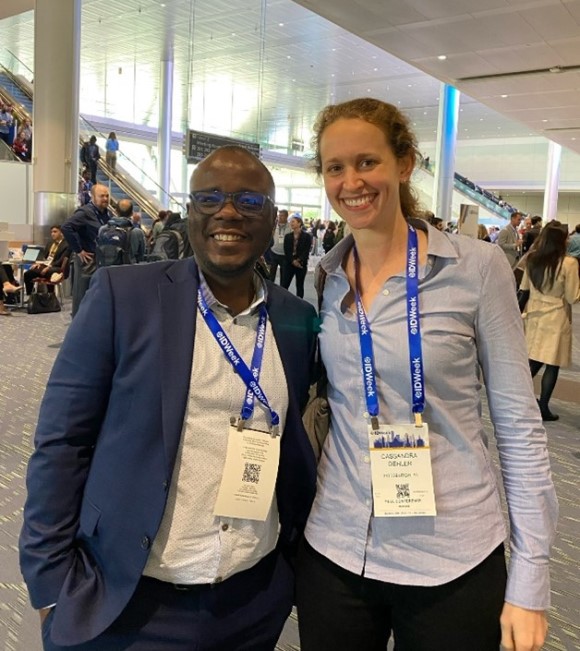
[
  {"x": 252, "y": 473},
  {"x": 403, "y": 491}
]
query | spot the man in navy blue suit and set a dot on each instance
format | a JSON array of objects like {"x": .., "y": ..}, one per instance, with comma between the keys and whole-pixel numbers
[{"x": 172, "y": 476}]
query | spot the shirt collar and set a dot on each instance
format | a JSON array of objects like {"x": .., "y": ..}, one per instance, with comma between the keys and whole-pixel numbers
[
  {"x": 260, "y": 295},
  {"x": 439, "y": 245}
]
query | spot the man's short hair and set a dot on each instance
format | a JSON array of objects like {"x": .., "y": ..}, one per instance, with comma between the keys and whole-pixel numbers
[
  {"x": 536, "y": 219},
  {"x": 577, "y": 229},
  {"x": 57, "y": 226}
]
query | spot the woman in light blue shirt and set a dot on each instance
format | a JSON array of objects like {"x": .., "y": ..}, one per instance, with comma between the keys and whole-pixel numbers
[
  {"x": 112, "y": 147},
  {"x": 406, "y": 533}
]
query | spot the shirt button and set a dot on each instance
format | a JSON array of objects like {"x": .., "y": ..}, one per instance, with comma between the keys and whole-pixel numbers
[
  {"x": 235, "y": 322},
  {"x": 366, "y": 414},
  {"x": 366, "y": 459},
  {"x": 386, "y": 292},
  {"x": 145, "y": 542},
  {"x": 165, "y": 484},
  {"x": 368, "y": 502},
  {"x": 225, "y": 527}
]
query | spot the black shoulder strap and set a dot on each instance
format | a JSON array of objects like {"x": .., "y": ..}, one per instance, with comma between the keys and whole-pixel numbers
[{"x": 319, "y": 283}]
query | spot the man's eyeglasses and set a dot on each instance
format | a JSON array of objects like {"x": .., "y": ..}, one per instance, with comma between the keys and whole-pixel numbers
[{"x": 249, "y": 204}]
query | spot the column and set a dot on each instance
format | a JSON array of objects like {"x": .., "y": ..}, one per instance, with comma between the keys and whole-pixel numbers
[
  {"x": 57, "y": 32},
  {"x": 550, "y": 211},
  {"x": 445, "y": 152},
  {"x": 165, "y": 116}
]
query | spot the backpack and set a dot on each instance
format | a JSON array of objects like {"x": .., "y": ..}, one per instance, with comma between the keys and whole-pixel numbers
[
  {"x": 168, "y": 246},
  {"x": 172, "y": 243},
  {"x": 114, "y": 242}
]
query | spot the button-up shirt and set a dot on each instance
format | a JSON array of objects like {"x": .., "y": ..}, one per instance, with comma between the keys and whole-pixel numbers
[
  {"x": 192, "y": 544},
  {"x": 469, "y": 317}
]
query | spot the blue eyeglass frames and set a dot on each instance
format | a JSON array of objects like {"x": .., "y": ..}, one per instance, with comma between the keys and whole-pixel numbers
[{"x": 246, "y": 203}]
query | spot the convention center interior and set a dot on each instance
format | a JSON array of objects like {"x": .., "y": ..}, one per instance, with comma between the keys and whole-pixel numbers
[{"x": 119, "y": 120}]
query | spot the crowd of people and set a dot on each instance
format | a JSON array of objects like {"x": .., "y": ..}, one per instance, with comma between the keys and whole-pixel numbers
[
  {"x": 17, "y": 137},
  {"x": 174, "y": 503}
]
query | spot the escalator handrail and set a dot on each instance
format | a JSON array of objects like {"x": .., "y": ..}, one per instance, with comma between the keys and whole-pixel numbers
[{"x": 146, "y": 203}]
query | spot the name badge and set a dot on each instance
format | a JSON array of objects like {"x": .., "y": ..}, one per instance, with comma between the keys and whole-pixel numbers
[
  {"x": 249, "y": 476},
  {"x": 401, "y": 472},
  {"x": 281, "y": 239}
]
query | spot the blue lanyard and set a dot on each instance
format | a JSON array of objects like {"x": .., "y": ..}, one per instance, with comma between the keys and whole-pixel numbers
[
  {"x": 414, "y": 334},
  {"x": 251, "y": 378}
]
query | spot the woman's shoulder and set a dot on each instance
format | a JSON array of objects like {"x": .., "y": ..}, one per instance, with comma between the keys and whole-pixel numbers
[{"x": 570, "y": 261}]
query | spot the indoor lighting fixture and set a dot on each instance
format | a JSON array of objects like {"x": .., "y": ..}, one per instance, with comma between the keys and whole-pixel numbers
[{"x": 442, "y": 57}]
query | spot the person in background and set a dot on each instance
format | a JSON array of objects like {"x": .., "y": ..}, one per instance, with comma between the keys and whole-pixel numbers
[
  {"x": 297, "y": 246},
  {"x": 314, "y": 232},
  {"x": 156, "y": 228},
  {"x": 138, "y": 239},
  {"x": 410, "y": 543},
  {"x": 80, "y": 230},
  {"x": 482, "y": 233},
  {"x": 508, "y": 239},
  {"x": 574, "y": 243},
  {"x": 329, "y": 239},
  {"x": 277, "y": 255},
  {"x": 530, "y": 235},
  {"x": 112, "y": 147},
  {"x": 85, "y": 186},
  {"x": 25, "y": 132},
  {"x": 56, "y": 256},
  {"x": 20, "y": 148},
  {"x": 551, "y": 278},
  {"x": 6, "y": 121},
  {"x": 7, "y": 281},
  {"x": 92, "y": 157}
]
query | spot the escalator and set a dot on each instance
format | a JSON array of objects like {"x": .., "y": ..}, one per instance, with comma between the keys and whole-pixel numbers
[
  {"x": 8, "y": 82},
  {"x": 120, "y": 183}
]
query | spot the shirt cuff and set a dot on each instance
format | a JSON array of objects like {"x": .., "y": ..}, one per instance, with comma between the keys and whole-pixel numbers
[{"x": 528, "y": 585}]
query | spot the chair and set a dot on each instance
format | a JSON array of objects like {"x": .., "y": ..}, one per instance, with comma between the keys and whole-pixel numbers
[{"x": 58, "y": 287}]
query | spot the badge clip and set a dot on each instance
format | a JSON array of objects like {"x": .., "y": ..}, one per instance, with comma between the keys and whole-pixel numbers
[
  {"x": 375, "y": 423},
  {"x": 240, "y": 424},
  {"x": 275, "y": 431},
  {"x": 418, "y": 420}
]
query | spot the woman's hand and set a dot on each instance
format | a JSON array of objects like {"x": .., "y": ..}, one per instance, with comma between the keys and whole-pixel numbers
[{"x": 522, "y": 629}]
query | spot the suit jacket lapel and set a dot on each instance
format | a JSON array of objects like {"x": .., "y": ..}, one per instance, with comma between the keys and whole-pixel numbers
[{"x": 177, "y": 297}]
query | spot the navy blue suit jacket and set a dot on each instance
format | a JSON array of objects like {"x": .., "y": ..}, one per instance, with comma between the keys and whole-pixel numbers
[{"x": 108, "y": 434}]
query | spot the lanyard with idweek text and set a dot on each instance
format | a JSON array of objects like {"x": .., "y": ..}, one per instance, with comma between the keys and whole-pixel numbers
[
  {"x": 251, "y": 378},
  {"x": 414, "y": 334}
]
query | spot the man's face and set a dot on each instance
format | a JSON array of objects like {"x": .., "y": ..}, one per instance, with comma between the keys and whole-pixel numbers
[
  {"x": 55, "y": 234},
  {"x": 282, "y": 217},
  {"x": 100, "y": 196},
  {"x": 228, "y": 243},
  {"x": 516, "y": 220}
]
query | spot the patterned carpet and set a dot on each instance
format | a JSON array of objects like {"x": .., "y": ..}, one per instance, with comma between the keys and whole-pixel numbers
[{"x": 28, "y": 345}]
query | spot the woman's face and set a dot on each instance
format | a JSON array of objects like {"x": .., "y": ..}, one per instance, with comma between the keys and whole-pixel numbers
[
  {"x": 361, "y": 174},
  {"x": 295, "y": 225}
]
